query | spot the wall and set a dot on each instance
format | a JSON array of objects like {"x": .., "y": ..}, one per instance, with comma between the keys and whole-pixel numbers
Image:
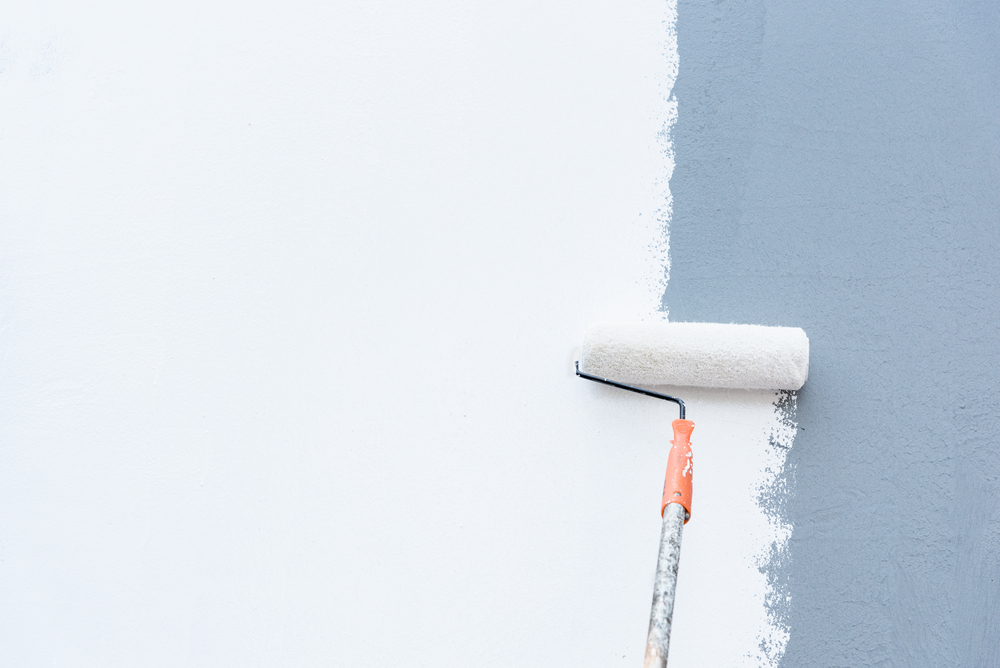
[
  {"x": 837, "y": 169},
  {"x": 290, "y": 297}
]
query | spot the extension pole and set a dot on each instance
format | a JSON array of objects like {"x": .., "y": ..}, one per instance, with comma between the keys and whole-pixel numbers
[
  {"x": 675, "y": 508},
  {"x": 661, "y": 616}
]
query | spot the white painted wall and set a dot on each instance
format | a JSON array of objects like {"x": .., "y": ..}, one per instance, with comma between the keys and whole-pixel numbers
[{"x": 289, "y": 301}]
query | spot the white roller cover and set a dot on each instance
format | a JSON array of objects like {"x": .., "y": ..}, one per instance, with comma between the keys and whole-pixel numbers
[{"x": 751, "y": 357}]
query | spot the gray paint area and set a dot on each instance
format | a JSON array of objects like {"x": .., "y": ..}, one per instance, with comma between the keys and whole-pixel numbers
[{"x": 838, "y": 169}]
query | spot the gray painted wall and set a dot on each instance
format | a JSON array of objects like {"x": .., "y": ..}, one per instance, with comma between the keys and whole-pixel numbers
[{"x": 838, "y": 168}]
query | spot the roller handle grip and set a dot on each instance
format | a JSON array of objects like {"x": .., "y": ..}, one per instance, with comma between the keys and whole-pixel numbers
[{"x": 680, "y": 468}]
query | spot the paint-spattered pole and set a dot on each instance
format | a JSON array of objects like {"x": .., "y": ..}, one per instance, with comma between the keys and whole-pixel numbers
[
  {"x": 675, "y": 507},
  {"x": 661, "y": 616}
]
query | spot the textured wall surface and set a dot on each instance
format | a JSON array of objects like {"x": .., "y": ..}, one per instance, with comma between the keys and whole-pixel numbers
[{"x": 837, "y": 169}]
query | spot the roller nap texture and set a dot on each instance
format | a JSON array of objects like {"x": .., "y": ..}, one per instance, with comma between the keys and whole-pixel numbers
[{"x": 751, "y": 357}]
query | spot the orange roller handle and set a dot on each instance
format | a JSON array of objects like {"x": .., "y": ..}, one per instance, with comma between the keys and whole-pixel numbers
[{"x": 680, "y": 468}]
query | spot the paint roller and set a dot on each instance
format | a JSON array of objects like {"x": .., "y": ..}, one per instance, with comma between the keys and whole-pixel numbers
[{"x": 687, "y": 354}]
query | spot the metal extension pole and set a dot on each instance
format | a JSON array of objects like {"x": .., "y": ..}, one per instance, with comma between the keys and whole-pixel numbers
[{"x": 661, "y": 616}]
